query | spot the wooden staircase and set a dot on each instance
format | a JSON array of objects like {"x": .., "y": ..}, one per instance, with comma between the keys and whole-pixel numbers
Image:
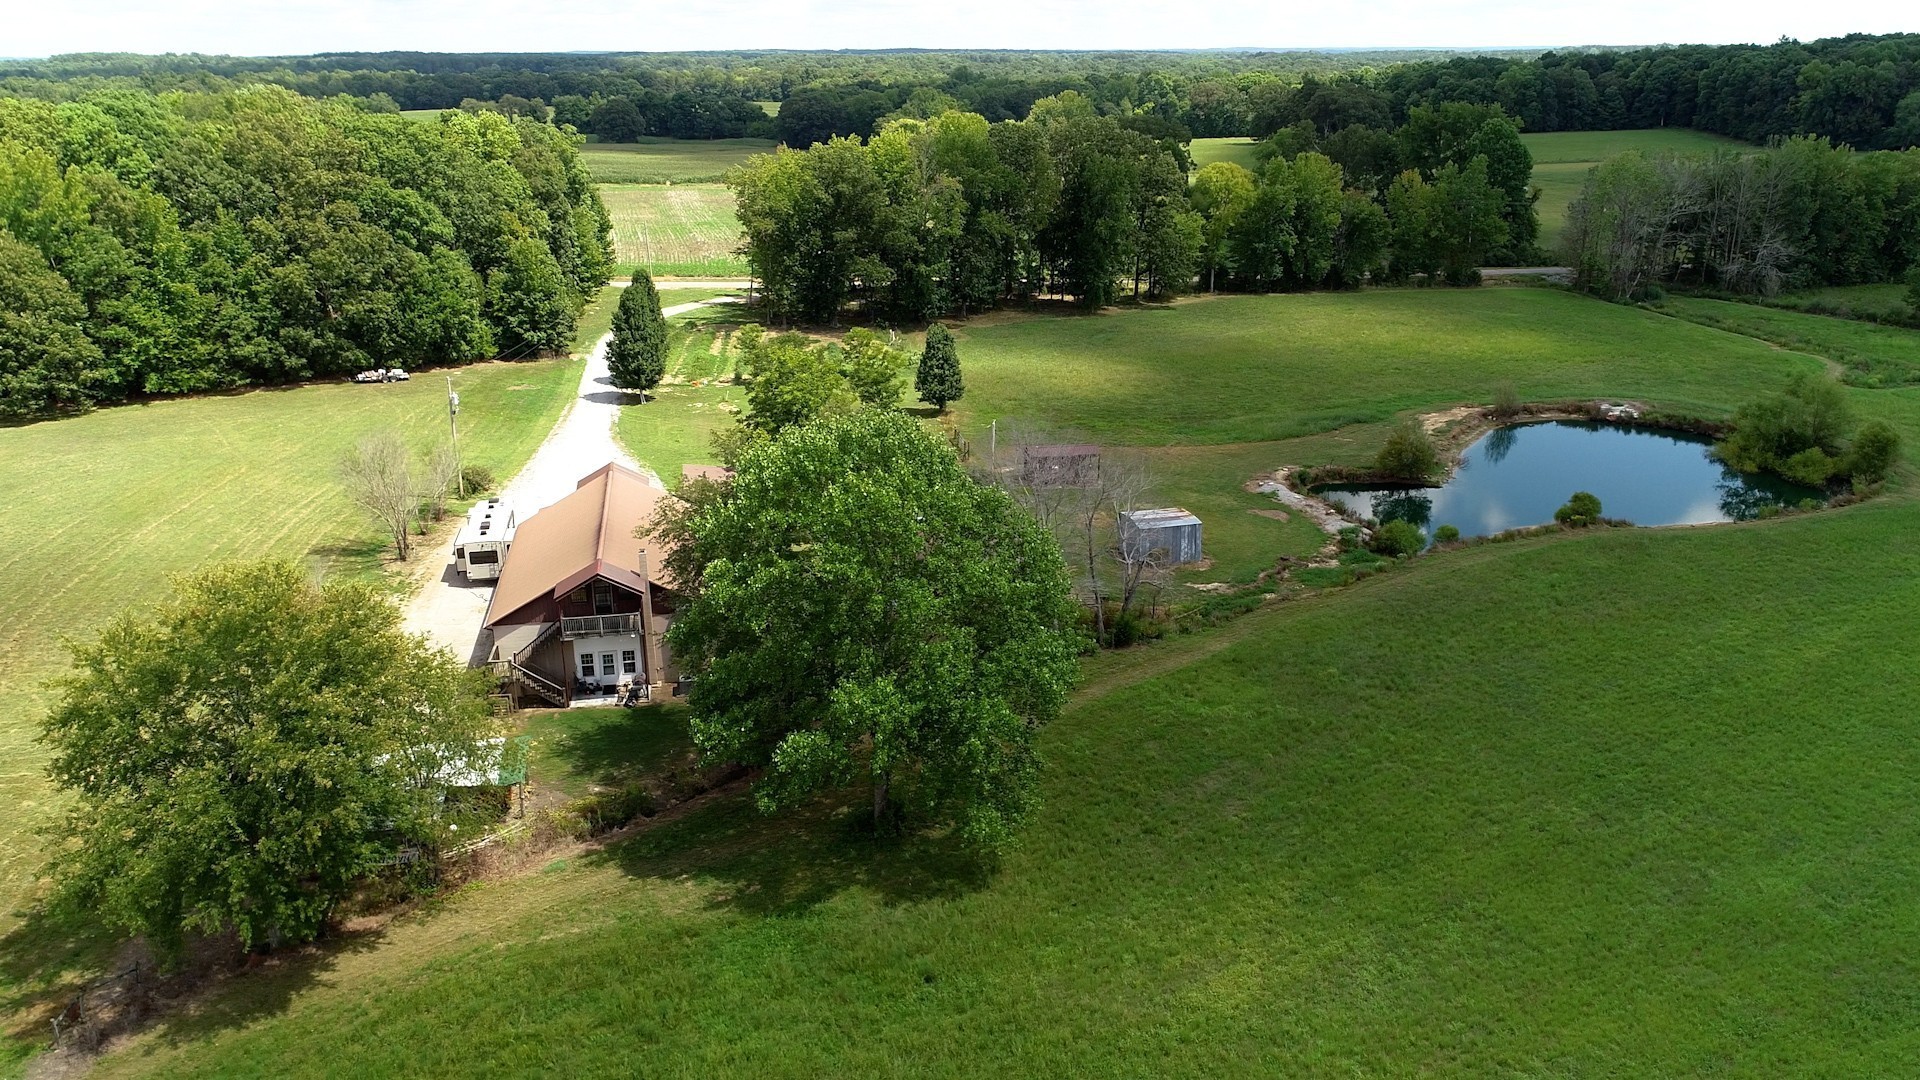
[{"x": 513, "y": 671}]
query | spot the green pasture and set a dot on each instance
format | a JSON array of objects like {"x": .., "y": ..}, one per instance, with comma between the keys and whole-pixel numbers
[
  {"x": 1635, "y": 802},
  {"x": 106, "y": 506},
  {"x": 679, "y": 230},
  {"x": 1593, "y": 147},
  {"x": 1562, "y": 159},
  {"x": 1262, "y": 368},
  {"x": 1237, "y": 150},
  {"x": 654, "y": 160},
  {"x": 1866, "y": 354},
  {"x": 1622, "y": 802}
]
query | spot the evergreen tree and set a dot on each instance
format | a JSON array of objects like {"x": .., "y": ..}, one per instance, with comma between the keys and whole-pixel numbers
[
  {"x": 637, "y": 355},
  {"x": 938, "y": 380}
]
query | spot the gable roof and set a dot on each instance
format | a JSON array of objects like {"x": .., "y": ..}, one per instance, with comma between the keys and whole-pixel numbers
[{"x": 592, "y": 532}]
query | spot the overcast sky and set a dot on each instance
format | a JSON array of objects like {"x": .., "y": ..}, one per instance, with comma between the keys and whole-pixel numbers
[{"x": 272, "y": 27}]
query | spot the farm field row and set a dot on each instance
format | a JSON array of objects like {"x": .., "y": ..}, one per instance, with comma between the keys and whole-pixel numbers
[
  {"x": 668, "y": 161},
  {"x": 1629, "y": 801},
  {"x": 679, "y": 230}
]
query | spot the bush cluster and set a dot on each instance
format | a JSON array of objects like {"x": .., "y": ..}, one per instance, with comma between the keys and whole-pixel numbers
[{"x": 1409, "y": 454}]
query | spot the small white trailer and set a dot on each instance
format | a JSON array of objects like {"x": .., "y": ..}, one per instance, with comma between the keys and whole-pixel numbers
[{"x": 481, "y": 546}]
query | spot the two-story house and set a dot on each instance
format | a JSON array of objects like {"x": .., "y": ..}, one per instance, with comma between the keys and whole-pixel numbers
[{"x": 580, "y": 608}]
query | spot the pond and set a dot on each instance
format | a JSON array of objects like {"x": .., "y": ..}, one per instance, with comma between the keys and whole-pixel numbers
[{"x": 1518, "y": 476}]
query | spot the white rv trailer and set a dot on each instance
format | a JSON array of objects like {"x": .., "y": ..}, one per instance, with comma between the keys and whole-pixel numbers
[{"x": 481, "y": 547}]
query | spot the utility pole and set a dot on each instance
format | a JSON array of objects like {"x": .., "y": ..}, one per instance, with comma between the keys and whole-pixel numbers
[{"x": 453, "y": 425}]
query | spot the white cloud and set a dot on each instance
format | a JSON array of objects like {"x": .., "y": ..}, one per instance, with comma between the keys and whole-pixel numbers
[{"x": 307, "y": 26}]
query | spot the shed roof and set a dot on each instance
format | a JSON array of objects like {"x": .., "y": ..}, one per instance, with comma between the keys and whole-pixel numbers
[
  {"x": 1165, "y": 517},
  {"x": 715, "y": 473},
  {"x": 592, "y": 532}
]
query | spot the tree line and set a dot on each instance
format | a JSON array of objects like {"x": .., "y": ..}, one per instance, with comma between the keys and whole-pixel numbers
[
  {"x": 160, "y": 244},
  {"x": 1798, "y": 215},
  {"x": 1861, "y": 90},
  {"x": 953, "y": 214}
]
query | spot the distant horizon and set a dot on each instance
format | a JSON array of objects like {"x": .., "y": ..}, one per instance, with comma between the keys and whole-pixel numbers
[{"x": 322, "y": 27}]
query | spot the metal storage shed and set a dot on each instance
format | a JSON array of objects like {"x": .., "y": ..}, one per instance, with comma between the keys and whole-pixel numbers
[{"x": 1170, "y": 535}]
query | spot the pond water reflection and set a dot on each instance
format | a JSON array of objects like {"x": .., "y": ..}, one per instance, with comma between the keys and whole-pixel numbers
[{"x": 1519, "y": 475}]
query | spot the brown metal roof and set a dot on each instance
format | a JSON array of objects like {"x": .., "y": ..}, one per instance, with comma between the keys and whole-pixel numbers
[
  {"x": 591, "y": 532},
  {"x": 706, "y": 472}
]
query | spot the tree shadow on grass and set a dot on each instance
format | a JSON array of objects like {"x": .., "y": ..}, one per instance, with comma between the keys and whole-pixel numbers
[
  {"x": 786, "y": 864},
  {"x": 611, "y": 747},
  {"x": 102, "y": 986}
]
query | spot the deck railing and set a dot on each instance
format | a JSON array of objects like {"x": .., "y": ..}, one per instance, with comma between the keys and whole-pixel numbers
[{"x": 598, "y": 625}]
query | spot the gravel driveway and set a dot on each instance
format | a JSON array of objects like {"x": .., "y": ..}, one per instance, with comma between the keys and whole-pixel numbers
[{"x": 447, "y": 609}]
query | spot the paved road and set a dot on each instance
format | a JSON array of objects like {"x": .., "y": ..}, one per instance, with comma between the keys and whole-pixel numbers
[
  {"x": 449, "y": 610},
  {"x": 1555, "y": 273}
]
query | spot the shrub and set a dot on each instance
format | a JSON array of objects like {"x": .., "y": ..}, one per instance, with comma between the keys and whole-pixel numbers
[
  {"x": 477, "y": 479},
  {"x": 1446, "y": 534},
  {"x": 1349, "y": 537},
  {"x": 1408, "y": 454},
  {"x": 1811, "y": 413},
  {"x": 1875, "y": 448},
  {"x": 1506, "y": 401},
  {"x": 1398, "y": 538},
  {"x": 1583, "y": 509},
  {"x": 1812, "y": 467}
]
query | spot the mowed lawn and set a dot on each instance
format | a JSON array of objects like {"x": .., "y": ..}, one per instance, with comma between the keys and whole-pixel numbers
[
  {"x": 1620, "y": 803},
  {"x": 1562, "y": 159},
  {"x": 103, "y": 508},
  {"x": 678, "y": 230},
  {"x": 668, "y": 161},
  {"x": 1264, "y": 368}
]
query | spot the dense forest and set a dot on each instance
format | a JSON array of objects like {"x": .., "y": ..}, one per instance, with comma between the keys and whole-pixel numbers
[
  {"x": 155, "y": 244},
  {"x": 953, "y": 214},
  {"x": 1799, "y": 214},
  {"x": 1860, "y": 90}
]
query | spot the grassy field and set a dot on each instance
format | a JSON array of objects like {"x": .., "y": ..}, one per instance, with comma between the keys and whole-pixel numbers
[
  {"x": 1874, "y": 303},
  {"x": 676, "y": 427},
  {"x": 683, "y": 230},
  {"x": 1258, "y": 369},
  {"x": 1562, "y": 159},
  {"x": 122, "y": 498},
  {"x": 1239, "y": 151},
  {"x": 1623, "y": 802},
  {"x": 1461, "y": 819},
  {"x": 668, "y": 161},
  {"x": 1872, "y": 356},
  {"x": 576, "y": 752}
]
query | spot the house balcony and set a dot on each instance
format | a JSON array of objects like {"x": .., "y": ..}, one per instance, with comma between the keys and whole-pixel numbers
[{"x": 599, "y": 625}]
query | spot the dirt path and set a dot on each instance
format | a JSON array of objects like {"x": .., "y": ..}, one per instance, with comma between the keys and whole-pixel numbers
[{"x": 447, "y": 608}]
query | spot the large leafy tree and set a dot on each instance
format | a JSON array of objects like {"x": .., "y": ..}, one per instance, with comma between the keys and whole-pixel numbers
[
  {"x": 240, "y": 757},
  {"x": 637, "y": 355},
  {"x": 46, "y": 362},
  {"x": 861, "y": 611}
]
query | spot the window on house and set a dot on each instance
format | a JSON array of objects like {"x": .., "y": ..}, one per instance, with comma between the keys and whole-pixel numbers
[
  {"x": 586, "y": 665},
  {"x": 603, "y": 599},
  {"x": 577, "y": 596},
  {"x": 629, "y": 662},
  {"x": 606, "y": 664}
]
